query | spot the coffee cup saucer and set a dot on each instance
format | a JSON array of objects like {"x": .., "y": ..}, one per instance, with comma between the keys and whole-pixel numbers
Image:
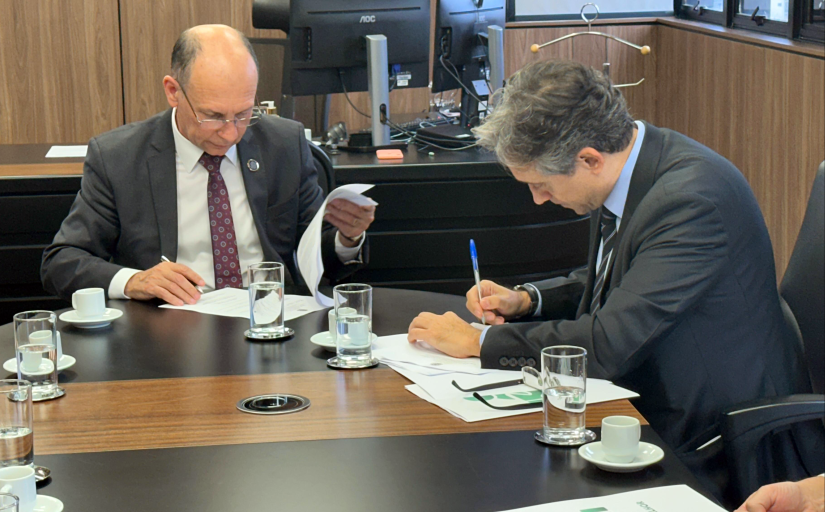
[
  {"x": 94, "y": 322},
  {"x": 324, "y": 339},
  {"x": 65, "y": 362},
  {"x": 648, "y": 454},
  {"x": 47, "y": 504}
]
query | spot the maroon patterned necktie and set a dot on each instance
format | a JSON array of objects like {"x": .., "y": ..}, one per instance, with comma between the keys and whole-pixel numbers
[{"x": 224, "y": 247}]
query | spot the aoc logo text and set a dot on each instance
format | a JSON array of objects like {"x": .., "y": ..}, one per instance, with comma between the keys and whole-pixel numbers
[{"x": 367, "y": 19}]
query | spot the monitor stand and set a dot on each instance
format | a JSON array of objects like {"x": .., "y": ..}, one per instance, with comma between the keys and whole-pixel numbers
[
  {"x": 379, "y": 88},
  {"x": 460, "y": 135}
]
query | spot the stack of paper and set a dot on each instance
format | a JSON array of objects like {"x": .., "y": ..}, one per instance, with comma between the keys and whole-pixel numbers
[
  {"x": 234, "y": 302},
  {"x": 309, "y": 248},
  {"x": 433, "y": 374},
  {"x": 66, "y": 152},
  {"x": 674, "y": 498}
]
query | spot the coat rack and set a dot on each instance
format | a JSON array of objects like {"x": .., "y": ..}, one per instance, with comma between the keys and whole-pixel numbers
[{"x": 645, "y": 50}]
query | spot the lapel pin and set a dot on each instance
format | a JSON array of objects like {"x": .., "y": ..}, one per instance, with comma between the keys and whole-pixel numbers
[{"x": 253, "y": 165}]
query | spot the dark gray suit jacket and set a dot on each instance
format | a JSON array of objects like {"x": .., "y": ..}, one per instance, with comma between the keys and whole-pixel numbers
[
  {"x": 691, "y": 319},
  {"x": 125, "y": 214}
]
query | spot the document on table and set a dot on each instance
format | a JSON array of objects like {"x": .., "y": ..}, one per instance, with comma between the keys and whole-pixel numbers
[
  {"x": 433, "y": 373},
  {"x": 310, "y": 262},
  {"x": 234, "y": 302},
  {"x": 439, "y": 390},
  {"x": 67, "y": 152},
  {"x": 396, "y": 348},
  {"x": 674, "y": 498}
]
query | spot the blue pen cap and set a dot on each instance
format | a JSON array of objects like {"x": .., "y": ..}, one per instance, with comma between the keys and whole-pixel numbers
[{"x": 473, "y": 254}]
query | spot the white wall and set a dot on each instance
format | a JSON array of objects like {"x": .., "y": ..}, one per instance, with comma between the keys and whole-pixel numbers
[{"x": 545, "y": 7}]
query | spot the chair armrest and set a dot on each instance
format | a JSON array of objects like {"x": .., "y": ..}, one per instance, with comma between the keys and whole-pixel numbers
[
  {"x": 743, "y": 427},
  {"x": 757, "y": 418}
]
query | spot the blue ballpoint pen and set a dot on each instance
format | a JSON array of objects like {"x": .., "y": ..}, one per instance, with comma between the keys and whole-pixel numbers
[{"x": 474, "y": 257}]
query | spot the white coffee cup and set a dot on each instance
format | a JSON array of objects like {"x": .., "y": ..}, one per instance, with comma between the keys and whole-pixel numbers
[
  {"x": 333, "y": 327},
  {"x": 89, "y": 302},
  {"x": 620, "y": 438},
  {"x": 19, "y": 480},
  {"x": 31, "y": 360}
]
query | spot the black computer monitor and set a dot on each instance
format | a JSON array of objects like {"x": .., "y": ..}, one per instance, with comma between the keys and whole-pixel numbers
[
  {"x": 328, "y": 46},
  {"x": 460, "y": 38}
]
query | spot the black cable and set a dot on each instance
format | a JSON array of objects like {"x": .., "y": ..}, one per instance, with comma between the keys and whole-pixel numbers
[
  {"x": 346, "y": 95},
  {"x": 427, "y": 142},
  {"x": 455, "y": 75}
]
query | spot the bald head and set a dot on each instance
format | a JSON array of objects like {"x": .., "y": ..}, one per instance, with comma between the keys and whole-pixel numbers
[
  {"x": 224, "y": 48},
  {"x": 214, "y": 79}
]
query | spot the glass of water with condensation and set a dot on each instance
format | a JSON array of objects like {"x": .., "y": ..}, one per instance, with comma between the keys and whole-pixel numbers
[
  {"x": 266, "y": 301},
  {"x": 16, "y": 436},
  {"x": 564, "y": 378},
  {"x": 353, "y": 320}
]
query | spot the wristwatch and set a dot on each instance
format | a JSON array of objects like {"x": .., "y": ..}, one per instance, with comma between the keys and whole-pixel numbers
[{"x": 534, "y": 298}]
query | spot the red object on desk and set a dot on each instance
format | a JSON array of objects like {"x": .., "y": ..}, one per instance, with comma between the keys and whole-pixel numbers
[{"x": 389, "y": 154}]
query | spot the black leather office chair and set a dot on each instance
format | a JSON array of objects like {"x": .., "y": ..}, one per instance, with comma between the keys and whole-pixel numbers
[
  {"x": 745, "y": 430},
  {"x": 326, "y": 174}
]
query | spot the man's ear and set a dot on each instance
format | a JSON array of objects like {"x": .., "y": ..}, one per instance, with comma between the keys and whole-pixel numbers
[
  {"x": 170, "y": 88},
  {"x": 591, "y": 160}
]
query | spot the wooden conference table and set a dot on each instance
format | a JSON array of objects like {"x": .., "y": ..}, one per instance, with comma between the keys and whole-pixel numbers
[{"x": 149, "y": 423}]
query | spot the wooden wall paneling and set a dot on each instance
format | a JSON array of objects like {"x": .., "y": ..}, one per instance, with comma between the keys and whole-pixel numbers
[
  {"x": 627, "y": 64},
  {"x": 150, "y": 29},
  {"x": 763, "y": 109},
  {"x": 60, "y": 68}
]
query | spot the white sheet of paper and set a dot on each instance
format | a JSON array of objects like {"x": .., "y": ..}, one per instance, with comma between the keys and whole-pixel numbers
[
  {"x": 67, "y": 152},
  {"x": 310, "y": 262},
  {"x": 397, "y": 348},
  {"x": 440, "y": 391},
  {"x": 674, "y": 498},
  {"x": 234, "y": 302}
]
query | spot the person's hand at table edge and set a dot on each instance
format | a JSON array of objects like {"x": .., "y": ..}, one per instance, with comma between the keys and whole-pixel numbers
[
  {"x": 498, "y": 304},
  {"x": 172, "y": 282},
  {"x": 804, "y": 496},
  {"x": 350, "y": 219},
  {"x": 447, "y": 333}
]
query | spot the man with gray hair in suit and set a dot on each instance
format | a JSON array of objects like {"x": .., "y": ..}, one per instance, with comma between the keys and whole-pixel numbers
[
  {"x": 207, "y": 187},
  {"x": 678, "y": 301}
]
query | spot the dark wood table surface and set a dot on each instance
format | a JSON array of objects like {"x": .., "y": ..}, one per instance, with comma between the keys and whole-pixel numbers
[{"x": 149, "y": 423}]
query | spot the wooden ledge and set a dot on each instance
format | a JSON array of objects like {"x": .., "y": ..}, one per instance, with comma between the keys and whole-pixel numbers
[
  {"x": 145, "y": 414},
  {"x": 32, "y": 170},
  {"x": 578, "y": 22},
  {"x": 747, "y": 36}
]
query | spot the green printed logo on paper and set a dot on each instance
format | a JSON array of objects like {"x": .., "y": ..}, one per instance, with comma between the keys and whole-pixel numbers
[
  {"x": 597, "y": 509},
  {"x": 531, "y": 397}
]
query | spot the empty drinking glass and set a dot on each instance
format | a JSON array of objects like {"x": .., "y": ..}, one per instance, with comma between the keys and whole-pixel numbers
[
  {"x": 266, "y": 302},
  {"x": 16, "y": 435},
  {"x": 36, "y": 352}
]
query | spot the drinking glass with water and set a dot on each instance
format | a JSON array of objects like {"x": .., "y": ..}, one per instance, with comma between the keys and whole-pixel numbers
[
  {"x": 353, "y": 319},
  {"x": 16, "y": 436},
  {"x": 266, "y": 301},
  {"x": 36, "y": 352},
  {"x": 564, "y": 398}
]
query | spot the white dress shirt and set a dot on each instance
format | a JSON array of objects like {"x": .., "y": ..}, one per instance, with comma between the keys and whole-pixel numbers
[
  {"x": 194, "y": 236},
  {"x": 615, "y": 202}
]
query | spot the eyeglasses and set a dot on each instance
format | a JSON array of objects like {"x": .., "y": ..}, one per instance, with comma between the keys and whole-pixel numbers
[{"x": 254, "y": 115}]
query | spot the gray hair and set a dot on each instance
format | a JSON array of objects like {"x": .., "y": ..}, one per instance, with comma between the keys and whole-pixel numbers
[
  {"x": 551, "y": 110},
  {"x": 187, "y": 48}
]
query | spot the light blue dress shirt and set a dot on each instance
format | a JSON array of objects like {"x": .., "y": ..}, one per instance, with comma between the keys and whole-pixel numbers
[{"x": 615, "y": 202}]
